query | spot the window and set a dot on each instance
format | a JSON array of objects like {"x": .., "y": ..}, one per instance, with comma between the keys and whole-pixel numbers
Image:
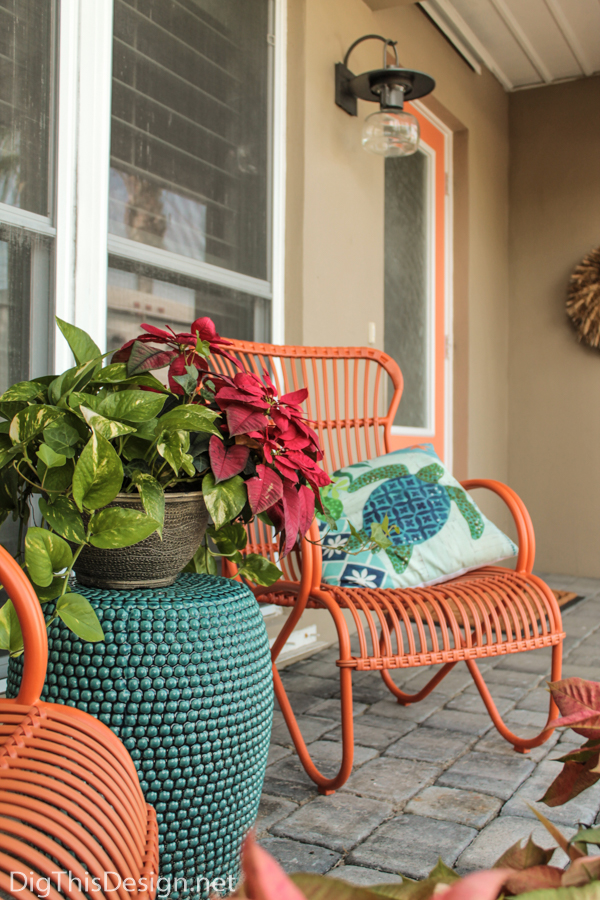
[
  {"x": 26, "y": 147},
  {"x": 190, "y": 166}
]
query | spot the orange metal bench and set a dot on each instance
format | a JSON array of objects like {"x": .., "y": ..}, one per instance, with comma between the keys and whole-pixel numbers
[
  {"x": 71, "y": 806},
  {"x": 488, "y": 612}
]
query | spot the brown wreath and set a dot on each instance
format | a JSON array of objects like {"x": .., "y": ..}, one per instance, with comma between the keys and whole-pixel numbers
[{"x": 583, "y": 301}]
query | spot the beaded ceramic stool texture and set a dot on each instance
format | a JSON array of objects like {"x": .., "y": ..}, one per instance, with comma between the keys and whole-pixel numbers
[{"x": 184, "y": 679}]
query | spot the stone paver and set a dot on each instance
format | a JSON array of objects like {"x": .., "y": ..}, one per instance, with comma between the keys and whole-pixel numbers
[
  {"x": 416, "y": 712},
  {"x": 374, "y": 731},
  {"x": 330, "y": 709},
  {"x": 294, "y": 856},
  {"x": 271, "y": 810},
  {"x": 582, "y": 809},
  {"x": 465, "y": 807},
  {"x": 312, "y": 727},
  {"x": 429, "y": 779},
  {"x": 458, "y": 720},
  {"x": 338, "y": 822},
  {"x": 487, "y": 774},
  {"x": 412, "y": 845},
  {"x": 394, "y": 780},
  {"x": 363, "y": 877},
  {"x": 430, "y": 745},
  {"x": 501, "y": 834}
]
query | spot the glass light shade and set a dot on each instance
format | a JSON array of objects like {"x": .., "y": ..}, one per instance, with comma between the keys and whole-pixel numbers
[{"x": 391, "y": 133}]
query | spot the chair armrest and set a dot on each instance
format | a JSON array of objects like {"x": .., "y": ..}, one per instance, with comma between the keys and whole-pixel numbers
[{"x": 525, "y": 533}]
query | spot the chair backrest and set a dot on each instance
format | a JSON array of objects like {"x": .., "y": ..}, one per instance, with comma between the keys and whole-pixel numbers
[{"x": 353, "y": 393}]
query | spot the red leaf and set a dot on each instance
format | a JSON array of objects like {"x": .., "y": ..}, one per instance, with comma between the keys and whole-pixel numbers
[
  {"x": 579, "y": 702},
  {"x": 277, "y": 516},
  {"x": 307, "y": 509},
  {"x": 264, "y": 878},
  {"x": 291, "y": 512},
  {"x": 241, "y": 419},
  {"x": 534, "y": 879},
  {"x": 205, "y": 329},
  {"x": 295, "y": 398},
  {"x": 581, "y": 871},
  {"x": 228, "y": 395},
  {"x": 571, "y": 781},
  {"x": 142, "y": 358},
  {"x": 226, "y": 462},
  {"x": 264, "y": 490},
  {"x": 287, "y": 469},
  {"x": 159, "y": 333},
  {"x": 484, "y": 885}
]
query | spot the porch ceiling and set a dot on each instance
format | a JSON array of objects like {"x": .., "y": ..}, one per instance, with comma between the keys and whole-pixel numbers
[{"x": 523, "y": 42}]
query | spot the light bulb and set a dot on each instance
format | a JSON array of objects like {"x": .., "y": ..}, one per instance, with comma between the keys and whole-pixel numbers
[{"x": 391, "y": 132}]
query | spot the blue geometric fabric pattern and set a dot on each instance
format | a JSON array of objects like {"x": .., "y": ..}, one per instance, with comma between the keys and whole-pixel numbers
[{"x": 436, "y": 530}]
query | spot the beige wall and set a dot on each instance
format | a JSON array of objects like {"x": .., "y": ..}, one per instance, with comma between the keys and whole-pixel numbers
[
  {"x": 335, "y": 207},
  {"x": 554, "y": 430},
  {"x": 334, "y": 229}
]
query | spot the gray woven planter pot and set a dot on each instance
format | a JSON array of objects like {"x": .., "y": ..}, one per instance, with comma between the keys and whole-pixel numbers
[{"x": 153, "y": 562}]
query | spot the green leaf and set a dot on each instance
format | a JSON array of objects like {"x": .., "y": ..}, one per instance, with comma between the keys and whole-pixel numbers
[
  {"x": 118, "y": 527},
  {"x": 321, "y": 887},
  {"x": 46, "y": 554},
  {"x": 225, "y": 500},
  {"x": 587, "y": 836},
  {"x": 152, "y": 497},
  {"x": 50, "y": 459},
  {"x": 30, "y": 421},
  {"x": 260, "y": 570},
  {"x": 379, "y": 536},
  {"x": 24, "y": 390},
  {"x": 202, "y": 348},
  {"x": 9, "y": 410},
  {"x": 74, "y": 379},
  {"x": 106, "y": 427},
  {"x": 61, "y": 438},
  {"x": 83, "y": 347},
  {"x": 132, "y": 406},
  {"x": 202, "y": 562},
  {"x": 78, "y": 615},
  {"x": 189, "y": 381},
  {"x": 135, "y": 447},
  {"x": 173, "y": 448},
  {"x": 63, "y": 517},
  {"x": 53, "y": 590},
  {"x": 98, "y": 475},
  {"x": 116, "y": 373},
  {"x": 189, "y": 417},
  {"x": 11, "y": 638},
  {"x": 56, "y": 480},
  {"x": 229, "y": 539}
]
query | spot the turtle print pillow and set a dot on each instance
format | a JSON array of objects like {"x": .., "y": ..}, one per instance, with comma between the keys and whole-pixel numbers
[{"x": 439, "y": 531}]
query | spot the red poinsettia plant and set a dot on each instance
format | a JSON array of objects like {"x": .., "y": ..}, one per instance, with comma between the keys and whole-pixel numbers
[{"x": 265, "y": 459}]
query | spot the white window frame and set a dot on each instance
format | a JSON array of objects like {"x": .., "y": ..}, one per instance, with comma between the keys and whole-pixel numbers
[{"x": 80, "y": 221}]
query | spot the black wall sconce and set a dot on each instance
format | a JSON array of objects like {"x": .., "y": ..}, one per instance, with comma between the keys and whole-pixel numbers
[{"x": 391, "y": 131}]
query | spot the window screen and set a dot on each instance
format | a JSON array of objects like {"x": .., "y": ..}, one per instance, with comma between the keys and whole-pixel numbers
[{"x": 190, "y": 129}]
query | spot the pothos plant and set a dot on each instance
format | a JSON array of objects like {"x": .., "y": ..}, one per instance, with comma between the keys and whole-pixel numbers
[{"x": 69, "y": 444}]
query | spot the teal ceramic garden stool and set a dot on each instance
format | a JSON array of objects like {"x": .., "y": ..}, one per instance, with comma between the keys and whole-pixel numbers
[{"x": 184, "y": 679}]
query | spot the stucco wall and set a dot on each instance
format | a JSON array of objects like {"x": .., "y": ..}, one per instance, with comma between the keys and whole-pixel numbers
[
  {"x": 336, "y": 205},
  {"x": 335, "y": 212},
  {"x": 554, "y": 428}
]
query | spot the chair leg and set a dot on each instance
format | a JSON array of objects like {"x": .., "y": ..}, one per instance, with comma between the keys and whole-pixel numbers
[
  {"x": 406, "y": 699},
  {"x": 324, "y": 784},
  {"x": 521, "y": 745}
]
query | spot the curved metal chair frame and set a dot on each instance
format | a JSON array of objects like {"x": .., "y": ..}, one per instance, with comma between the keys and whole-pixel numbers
[
  {"x": 71, "y": 806},
  {"x": 488, "y": 612}
]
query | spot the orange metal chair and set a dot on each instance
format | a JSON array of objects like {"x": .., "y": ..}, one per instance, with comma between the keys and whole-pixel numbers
[
  {"x": 71, "y": 807},
  {"x": 489, "y": 612}
]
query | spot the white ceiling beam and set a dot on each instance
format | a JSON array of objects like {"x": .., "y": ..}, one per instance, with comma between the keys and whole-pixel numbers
[
  {"x": 521, "y": 38},
  {"x": 458, "y": 27},
  {"x": 452, "y": 36},
  {"x": 564, "y": 26}
]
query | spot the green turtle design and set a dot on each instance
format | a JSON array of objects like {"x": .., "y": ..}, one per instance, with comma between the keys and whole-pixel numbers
[{"x": 416, "y": 504}]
